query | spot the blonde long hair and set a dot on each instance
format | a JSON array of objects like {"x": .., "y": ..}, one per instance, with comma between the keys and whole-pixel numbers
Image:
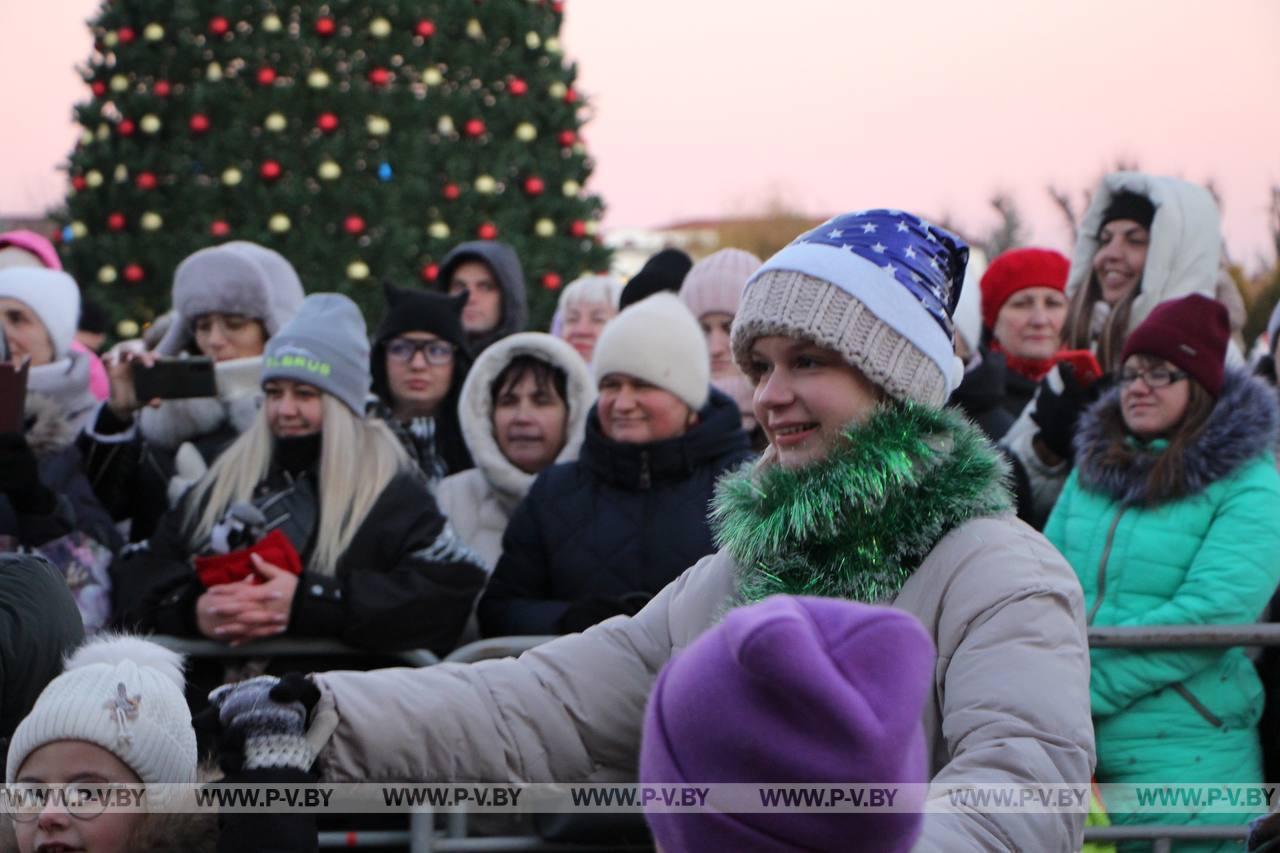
[{"x": 358, "y": 458}]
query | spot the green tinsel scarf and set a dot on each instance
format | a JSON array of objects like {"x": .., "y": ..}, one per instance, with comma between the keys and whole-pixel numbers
[{"x": 857, "y": 524}]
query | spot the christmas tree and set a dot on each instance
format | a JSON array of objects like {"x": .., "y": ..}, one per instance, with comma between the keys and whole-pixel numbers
[{"x": 362, "y": 140}]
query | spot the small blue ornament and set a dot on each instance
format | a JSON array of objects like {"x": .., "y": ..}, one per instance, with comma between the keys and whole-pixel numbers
[
  {"x": 67, "y": 234},
  {"x": 384, "y": 172}
]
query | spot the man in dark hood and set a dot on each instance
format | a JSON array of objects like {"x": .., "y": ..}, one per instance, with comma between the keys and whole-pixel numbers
[
  {"x": 39, "y": 625},
  {"x": 497, "y": 305}
]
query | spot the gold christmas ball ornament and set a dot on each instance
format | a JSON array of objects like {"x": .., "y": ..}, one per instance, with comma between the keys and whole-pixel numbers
[
  {"x": 279, "y": 223},
  {"x": 271, "y": 24},
  {"x": 110, "y": 39},
  {"x": 552, "y": 45},
  {"x": 485, "y": 184},
  {"x": 153, "y": 32},
  {"x": 231, "y": 176},
  {"x": 121, "y": 174},
  {"x": 127, "y": 329},
  {"x": 474, "y": 30},
  {"x": 104, "y": 132},
  {"x": 318, "y": 79},
  {"x": 438, "y": 230},
  {"x": 532, "y": 40},
  {"x": 119, "y": 83},
  {"x": 149, "y": 123},
  {"x": 571, "y": 188},
  {"x": 592, "y": 227},
  {"x": 93, "y": 178},
  {"x": 357, "y": 270},
  {"x": 445, "y": 126},
  {"x": 329, "y": 171},
  {"x": 275, "y": 122},
  {"x": 377, "y": 126},
  {"x": 432, "y": 76},
  {"x": 380, "y": 28},
  {"x": 86, "y": 136},
  {"x": 151, "y": 221},
  {"x": 107, "y": 274},
  {"x": 526, "y": 132},
  {"x": 544, "y": 228},
  {"x": 78, "y": 230},
  {"x": 557, "y": 90},
  {"x": 214, "y": 72}
]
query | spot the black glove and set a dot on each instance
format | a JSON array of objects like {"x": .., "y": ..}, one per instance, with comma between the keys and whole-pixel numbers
[
  {"x": 1266, "y": 369},
  {"x": 262, "y": 723},
  {"x": 585, "y": 612},
  {"x": 1057, "y": 414},
  {"x": 20, "y": 477}
]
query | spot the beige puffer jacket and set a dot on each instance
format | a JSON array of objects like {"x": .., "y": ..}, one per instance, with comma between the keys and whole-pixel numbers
[{"x": 1010, "y": 700}]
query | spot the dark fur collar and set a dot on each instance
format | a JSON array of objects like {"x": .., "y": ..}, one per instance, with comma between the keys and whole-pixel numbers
[{"x": 1243, "y": 425}]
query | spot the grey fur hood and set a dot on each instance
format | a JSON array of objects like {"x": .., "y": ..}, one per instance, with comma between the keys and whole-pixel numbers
[
  {"x": 504, "y": 262},
  {"x": 48, "y": 430},
  {"x": 1244, "y": 424},
  {"x": 475, "y": 407}
]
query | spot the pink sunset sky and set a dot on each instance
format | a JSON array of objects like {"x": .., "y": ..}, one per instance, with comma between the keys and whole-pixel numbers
[{"x": 710, "y": 107}]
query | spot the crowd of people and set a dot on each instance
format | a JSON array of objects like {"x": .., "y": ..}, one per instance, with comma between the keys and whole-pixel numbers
[{"x": 788, "y": 521}]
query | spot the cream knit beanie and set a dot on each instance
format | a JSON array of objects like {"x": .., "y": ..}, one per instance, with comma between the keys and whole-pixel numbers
[
  {"x": 715, "y": 283},
  {"x": 659, "y": 341},
  {"x": 124, "y": 694}
]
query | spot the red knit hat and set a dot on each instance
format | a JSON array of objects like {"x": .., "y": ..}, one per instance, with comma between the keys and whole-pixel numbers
[
  {"x": 1017, "y": 270},
  {"x": 1190, "y": 333}
]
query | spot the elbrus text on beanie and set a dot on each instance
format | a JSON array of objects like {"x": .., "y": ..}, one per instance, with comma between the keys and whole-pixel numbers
[
  {"x": 324, "y": 345},
  {"x": 877, "y": 286}
]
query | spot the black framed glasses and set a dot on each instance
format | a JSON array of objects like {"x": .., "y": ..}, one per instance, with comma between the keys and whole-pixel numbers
[
  {"x": 435, "y": 351},
  {"x": 1156, "y": 377},
  {"x": 25, "y": 803}
]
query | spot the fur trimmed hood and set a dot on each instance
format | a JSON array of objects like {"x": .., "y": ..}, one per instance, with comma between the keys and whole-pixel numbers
[
  {"x": 1244, "y": 424},
  {"x": 1186, "y": 240},
  {"x": 475, "y": 407}
]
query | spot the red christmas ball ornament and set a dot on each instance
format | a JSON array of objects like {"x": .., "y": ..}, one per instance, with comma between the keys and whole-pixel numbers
[
  {"x": 126, "y": 127},
  {"x": 353, "y": 225},
  {"x": 78, "y": 183},
  {"x": 133, "y": 273},
  {"x": 325, "y": 27},
  {"x": 98, "y": 88},
  {"x": 219, "y": 228},
  {"x": 219, "y": 25},
  {"x": 551, "y": 281},
  {"x": 533, "y": 185},
  {"x": 269, "y": 170},
  {"x": 126, "y": 35},
  {"x": 160, "y": 88},
  {"x": 327, "y": 122},
  {"x": 558, "y": 7},
  {"x": 517, "y": 87},
  {"x": 145, "y": 180},
  {"x": 379, "y": 76},
  {"x": 578, "y": 228},
  {"x": 571, "y": 96},
  {"x": 451, "y": 192},
  {"x": 474, "y": 127},
  {"x": 567, "y": 138},
  {"x": 115, "y": 221},
  {"x": 199, "y": 123},
  {"x": 425, "y": 28},
  {"x": 266, "y": 76},
  {"x": 487, "y": 231}
]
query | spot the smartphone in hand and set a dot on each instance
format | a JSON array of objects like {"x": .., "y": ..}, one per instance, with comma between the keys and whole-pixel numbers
[{"x": 174, "y": 379}]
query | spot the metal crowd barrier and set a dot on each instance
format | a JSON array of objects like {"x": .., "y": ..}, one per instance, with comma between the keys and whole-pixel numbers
[{"x": 422, "y": 836}]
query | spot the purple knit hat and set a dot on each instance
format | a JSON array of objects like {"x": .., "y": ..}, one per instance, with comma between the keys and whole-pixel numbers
[{"x": 792, "y": 690}]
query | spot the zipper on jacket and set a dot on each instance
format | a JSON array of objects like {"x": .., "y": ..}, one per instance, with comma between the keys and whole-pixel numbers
[
  {"x": 645, "y": 477},
  {"x": 1102, "y": 567},
  {"x": 1199, "y": 707}
]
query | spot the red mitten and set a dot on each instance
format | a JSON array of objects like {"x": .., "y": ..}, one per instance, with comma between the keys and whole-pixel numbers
[{"x": 275, "y": 548}]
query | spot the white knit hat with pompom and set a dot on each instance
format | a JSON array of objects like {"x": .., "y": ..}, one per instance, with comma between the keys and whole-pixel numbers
[{"x": 121, "y": 693}]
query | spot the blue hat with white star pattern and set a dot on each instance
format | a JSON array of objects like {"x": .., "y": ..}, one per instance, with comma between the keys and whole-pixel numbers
[{"x": 903, "y": 270}]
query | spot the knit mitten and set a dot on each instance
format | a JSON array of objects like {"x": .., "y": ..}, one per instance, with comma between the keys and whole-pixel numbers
[{"x": 269, "y": 720}]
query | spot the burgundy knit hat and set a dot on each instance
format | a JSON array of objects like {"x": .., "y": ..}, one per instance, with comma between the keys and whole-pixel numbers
[
  {"x": 1017, "y": 270},
  {"x": 1191, "y": 333},
  {"x": 792, "y": 690}
]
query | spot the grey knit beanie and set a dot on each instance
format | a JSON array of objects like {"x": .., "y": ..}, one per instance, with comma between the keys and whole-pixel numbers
[
  {"x": 324, "y": 345},
  {"x": 232, "y": 278}
]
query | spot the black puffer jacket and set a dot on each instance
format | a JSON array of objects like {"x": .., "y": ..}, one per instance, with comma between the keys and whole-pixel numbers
[
  {"x": 623, "y": 520},
  {"x": 405, "y": 581},
  {"x": 992, "y": 396}
]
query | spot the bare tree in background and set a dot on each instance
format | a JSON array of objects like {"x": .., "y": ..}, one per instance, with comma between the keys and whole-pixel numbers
[{"x": 1011, "y": 232}]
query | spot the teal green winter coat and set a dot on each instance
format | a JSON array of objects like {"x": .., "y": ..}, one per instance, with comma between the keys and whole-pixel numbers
[{"x": 1208, "y": 556}]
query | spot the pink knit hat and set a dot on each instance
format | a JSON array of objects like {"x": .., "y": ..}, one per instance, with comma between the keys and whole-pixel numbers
[
  {"x": 715, "y": 283},
  {"x": 31, "y": 242}
]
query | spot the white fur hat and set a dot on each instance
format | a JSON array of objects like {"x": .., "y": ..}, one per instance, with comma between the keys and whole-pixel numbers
[
  {"x": 124, "y": 694},
  {"x": 659, "y": 341},
  {"x": 54, "y": 297}
]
